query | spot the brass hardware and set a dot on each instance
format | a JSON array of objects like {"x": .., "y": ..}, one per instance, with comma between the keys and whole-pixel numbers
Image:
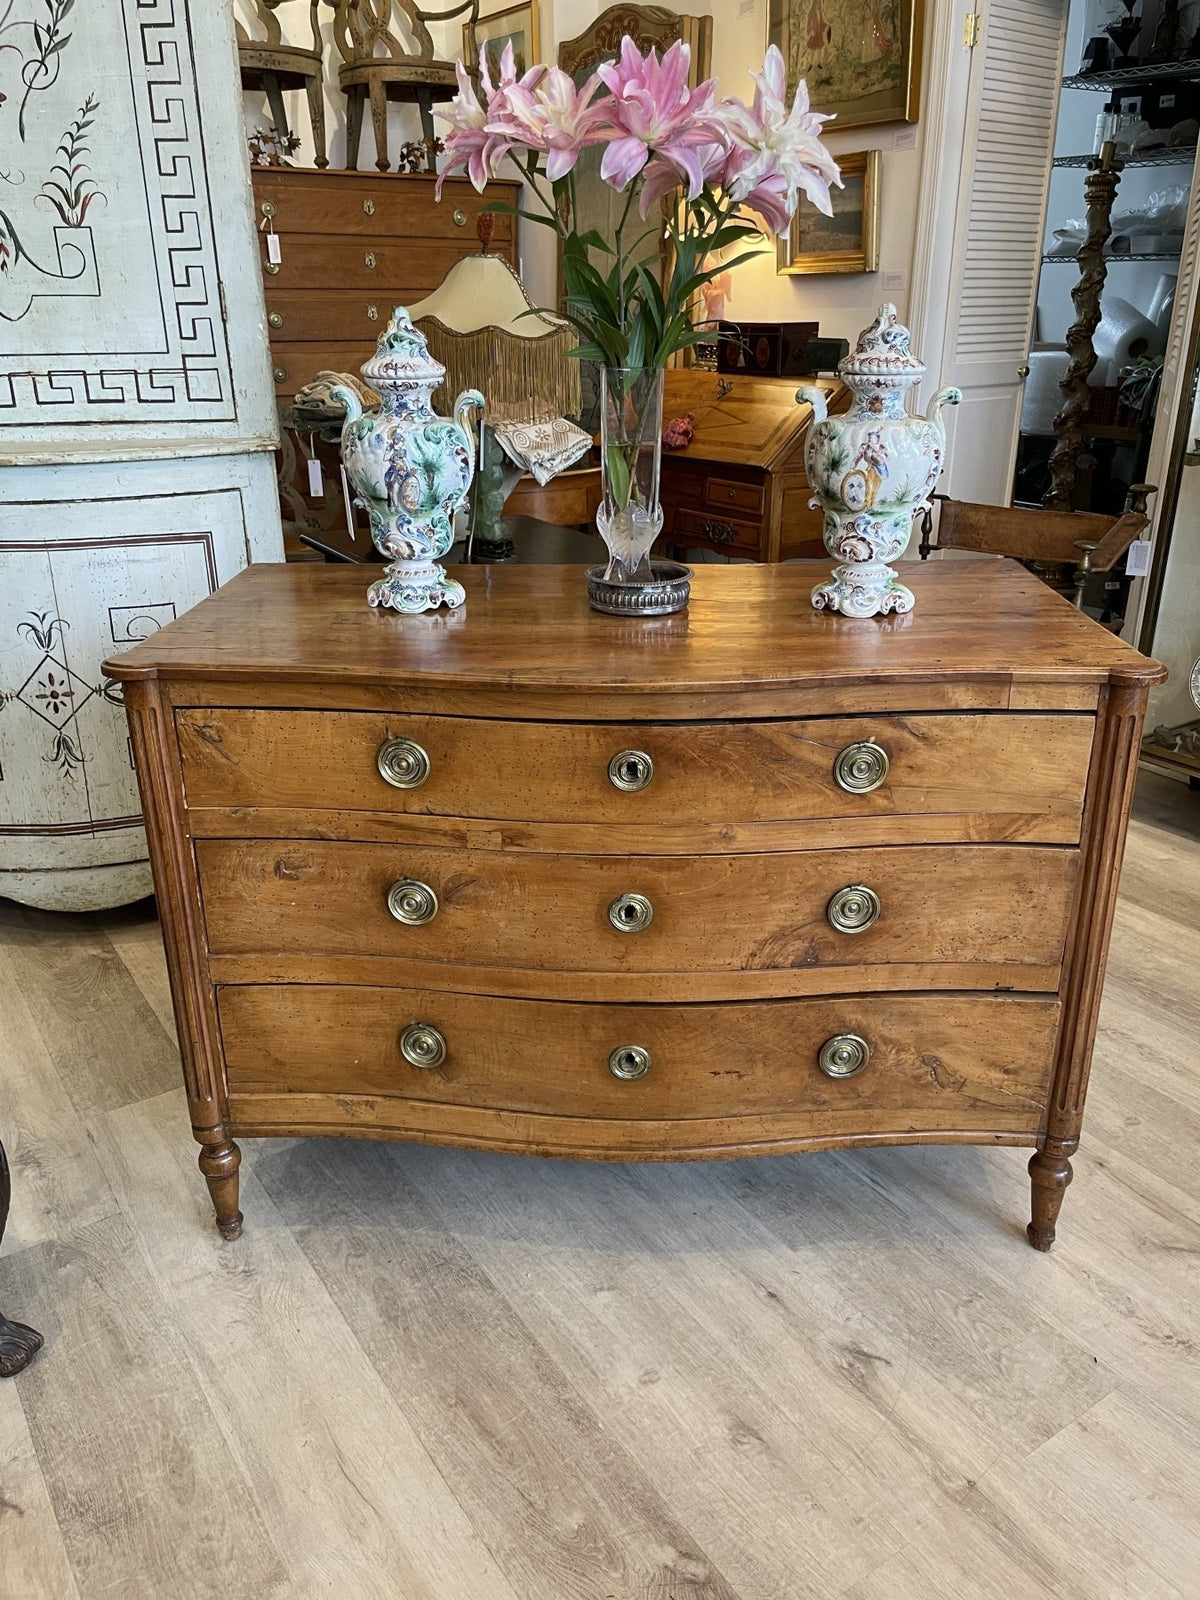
[
  {"x": 412, "y": 902},
  {"x": 720, "y": 532},
  {"x": 630, "y": 770},
  {"x": 422, "y": 1045},
  {"x": 402, "y": 763},
  {"x": 280, "y": 374},
  {"x": 843, "y": 1055},
  {"x": 372, "y": 313},
  {"x": 853, "y": 909},
  {"x": 268, "y": 208},
  {"x": 861, "y": 767},
  {"x": 1023, "y": 370},
  {"x": 972, "y": 24},
  {"x": 630, "y": 913},
  {"x": 629, "y": 1062},
  {"x": 369, "y": 207},
  {"x": 460, "y": 218},
  {"x": 275, "y": 319},
  {"x": 369, "y": 259},
  {"x": 271, "y": 266}
]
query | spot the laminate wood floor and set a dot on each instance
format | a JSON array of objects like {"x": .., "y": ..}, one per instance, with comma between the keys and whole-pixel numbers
[{"x": 439, "y": 1375}]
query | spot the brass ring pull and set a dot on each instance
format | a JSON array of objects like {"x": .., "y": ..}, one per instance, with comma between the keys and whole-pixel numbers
[
  {"x": 275, "y": 319},
  {"x": 630, "y": 913},
  {"x": 459, "y": 217},
  {"x": 630, "y": 770},
  {"x": 422, "y": 1046},
  {"x": 402, "y": 763},
  {"x": 853, "y": 909},
  {"x": 412, "y": 902},
  {"x": 861, "y": 767},
  {"x": 843, "y": 1056},
  {"x": 629, "y": 1062}
]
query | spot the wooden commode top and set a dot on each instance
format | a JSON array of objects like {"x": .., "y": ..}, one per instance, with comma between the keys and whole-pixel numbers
[{"x": 747, "y": 878}]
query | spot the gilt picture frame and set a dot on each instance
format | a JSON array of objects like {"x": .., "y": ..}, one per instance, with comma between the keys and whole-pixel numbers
[
  {"x": 516, "y": 25},
  {"x": 849, "y": 240},
  {"x": 861, "y": 59}
]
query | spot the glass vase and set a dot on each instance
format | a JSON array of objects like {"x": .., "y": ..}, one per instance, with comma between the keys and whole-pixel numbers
[{"x": 629, "y": 516}]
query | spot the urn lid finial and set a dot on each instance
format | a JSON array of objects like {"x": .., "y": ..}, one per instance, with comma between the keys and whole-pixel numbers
[
  {"x": 402, "y": 356},
  {"x": 883, "y": 350}
]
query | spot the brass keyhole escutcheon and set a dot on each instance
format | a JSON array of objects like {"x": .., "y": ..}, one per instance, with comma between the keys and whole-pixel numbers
[
  {"x": 629, "y": 1062},
  {"x": 422, "y": 1045},
  {"x": 630, "y": 770},
  {"x": 412, "y": 902},
  {"x": 861, "y": 767},
  {"x": 372, "y": 313},
  {"x": 369, "y": 207},
  {"x": 630, "y": 913},
  {"x": 369, "y": 259},
  {"x": 853, "y": 909},
  {"x": 843, "y": 1056},
  {"x": 402, "y": 763}
]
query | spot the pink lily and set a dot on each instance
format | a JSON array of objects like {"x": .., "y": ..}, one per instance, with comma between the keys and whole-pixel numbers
[
  {"x": 471, "y": 144},
  {"x": 777, "y": 153},
  {"x": 553, "y": 118},
  {"x": 652, "y": 110}
]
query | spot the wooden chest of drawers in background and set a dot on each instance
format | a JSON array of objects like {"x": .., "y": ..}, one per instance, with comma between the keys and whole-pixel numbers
[
  {"x": 352, "y": 246},
  {"x": 747, "y": 879}
]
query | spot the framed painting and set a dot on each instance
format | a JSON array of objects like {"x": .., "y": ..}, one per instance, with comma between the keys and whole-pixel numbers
[
  {"x": 861, "y": 59},
  {"x": 515, "y": 25},
  {"x": 848, "y": 241}
]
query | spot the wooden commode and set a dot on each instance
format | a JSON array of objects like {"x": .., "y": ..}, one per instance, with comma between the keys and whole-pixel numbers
[{"x": 750, "y": 878}]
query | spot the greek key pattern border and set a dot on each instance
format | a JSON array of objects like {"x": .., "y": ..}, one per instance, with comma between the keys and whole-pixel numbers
[{"x": 192, "y": 381}]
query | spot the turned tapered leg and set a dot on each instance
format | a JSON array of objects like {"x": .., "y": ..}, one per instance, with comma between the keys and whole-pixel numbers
[
  {"x": 356, "y": 98},
  {"x": 378, "y": 97},
  {"x": 18, "y": 1344},
  {"x": 316, "y": 112},
  {"x": 1049, "y": 1173},
  {"x": 219, "y": 1163}
]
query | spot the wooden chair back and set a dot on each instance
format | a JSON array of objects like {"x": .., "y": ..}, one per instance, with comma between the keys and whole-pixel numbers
[
  {"x": 364, "y": 30},
  {"x": 250, "y": 47}
]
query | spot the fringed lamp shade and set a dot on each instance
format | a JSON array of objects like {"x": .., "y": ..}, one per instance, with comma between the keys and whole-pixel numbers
[{"x": 477, "y": 325}]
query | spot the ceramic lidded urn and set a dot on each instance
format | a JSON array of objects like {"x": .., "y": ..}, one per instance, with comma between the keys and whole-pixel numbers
[
  {"x": 872, "y": 469},
  {"x": 411, "y": 468}
]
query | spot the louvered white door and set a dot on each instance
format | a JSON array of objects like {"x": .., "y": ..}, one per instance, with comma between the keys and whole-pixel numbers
[{"x": 1016, "y": 72}]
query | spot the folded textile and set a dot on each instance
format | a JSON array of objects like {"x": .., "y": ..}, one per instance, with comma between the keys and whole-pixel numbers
[{"x": 543, "y": 448}]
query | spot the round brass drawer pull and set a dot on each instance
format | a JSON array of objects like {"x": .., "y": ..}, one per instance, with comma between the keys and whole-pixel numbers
[
  {"x": 630, "y": 913},
  {"x": 422, "y": 1045},
  {"x": 412, "y": 902},
  {"x": 629, "y": 1062},
  {"x": 402, "y": 763},
  {"x": 630, "y": 770},
  {"x": 843, "y": 1055},
  {"x": 853, "y": 909},
  {"x": 460, "y": 217},
  {"x": 275, "y": 319},
  {"x": 280, "y": 374},
  {"x": 861, "y": 767}
]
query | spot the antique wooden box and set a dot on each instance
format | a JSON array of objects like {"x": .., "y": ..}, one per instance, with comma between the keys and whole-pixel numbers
[{"x": 749, "y": 878}]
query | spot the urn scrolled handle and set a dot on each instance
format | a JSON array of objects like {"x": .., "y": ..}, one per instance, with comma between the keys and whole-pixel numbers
[
  {"x": 843, "y": 1056},
  {"x": 630, "y": 1062},
  {"x": 403, "y": 763},
  {"x": 422, "y": 1045},
  {"x": 630, "y": 913},
  {"x": 630, "y": 770}
]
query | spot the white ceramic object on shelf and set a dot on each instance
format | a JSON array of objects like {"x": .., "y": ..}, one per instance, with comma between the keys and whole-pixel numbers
[
  {"x": 872, "y": 469},
  {"x": 411, "y": 468}
]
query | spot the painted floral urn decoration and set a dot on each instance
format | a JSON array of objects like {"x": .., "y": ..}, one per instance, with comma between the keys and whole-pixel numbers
[
  {"x": 410, "y": 468},
  {"x": 872, "y": 469}
]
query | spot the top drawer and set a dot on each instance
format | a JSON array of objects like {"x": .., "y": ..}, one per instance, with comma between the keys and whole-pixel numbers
[{"x": 1026, "y": 773}]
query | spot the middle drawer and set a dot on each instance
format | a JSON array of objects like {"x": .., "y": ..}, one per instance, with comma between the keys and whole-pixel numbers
[{"x": 992, "y": 915}]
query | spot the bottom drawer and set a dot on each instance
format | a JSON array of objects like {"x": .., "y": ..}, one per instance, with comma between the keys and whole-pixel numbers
[{"x": 939, "y": 1063}]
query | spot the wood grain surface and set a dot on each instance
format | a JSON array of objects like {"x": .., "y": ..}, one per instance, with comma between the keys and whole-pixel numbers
[
  {"x": 530, "y": 628},
  {"x": 1027, "y": 767},
  {"x": 936, "y": 1061},
  {"x": 987, "y": 904}
]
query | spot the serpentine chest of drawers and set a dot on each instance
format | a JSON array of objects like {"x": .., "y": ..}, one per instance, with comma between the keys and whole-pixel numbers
[{"x": 750, "y": 878}]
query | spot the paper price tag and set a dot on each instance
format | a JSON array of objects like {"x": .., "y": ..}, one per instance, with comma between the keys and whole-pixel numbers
[
  {"x": 274, "y": 249},
  {"x": 1137, "y": 562},
  {"x": 316, "y": 487}
]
